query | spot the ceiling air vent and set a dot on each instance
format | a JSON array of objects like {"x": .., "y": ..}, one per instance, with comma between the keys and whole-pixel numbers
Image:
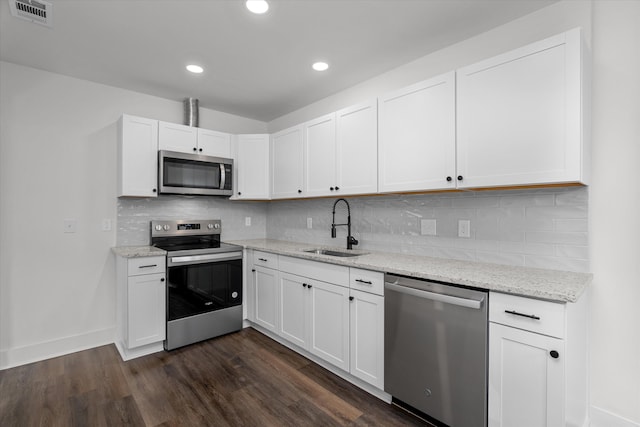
[{"x": 40, "y": 12}]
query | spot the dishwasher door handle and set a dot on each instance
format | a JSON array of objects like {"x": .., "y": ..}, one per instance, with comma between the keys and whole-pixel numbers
[{"x": 449, "y": 299}]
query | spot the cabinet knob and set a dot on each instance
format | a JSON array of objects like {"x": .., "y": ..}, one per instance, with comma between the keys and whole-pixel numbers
[
  {"x": 299, "y": 191},
  {"x": 304, "y": 284},
  {"x": 350, "y": 298},
  {"x": 554, "y": 354},
  {"x": 337, "y": 188},
  {"x": 449, "y": 179},
  {"x": 459, "y": 177},
  {"x": 253, "y": 270},
  {"x": 195, "y": 149},
  {"x": 331, "y": 188},
  {"x": 155, "y": 191},
  {"x": 309, "y": 286},
  {"x": 239, "y": 193},
  {"x": 200, "y": 149},
  {"x": 162, "y": 280}
]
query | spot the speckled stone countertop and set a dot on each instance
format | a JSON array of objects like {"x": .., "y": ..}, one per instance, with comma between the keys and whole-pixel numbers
[
  {"x": 554, "y": 285},
  {"x": 138, "y": 251}
]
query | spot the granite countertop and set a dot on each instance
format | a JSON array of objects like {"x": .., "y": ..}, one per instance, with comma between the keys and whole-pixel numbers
[
  {"x": 138, "y": 251},
  {"x": 554, "y": 285}
]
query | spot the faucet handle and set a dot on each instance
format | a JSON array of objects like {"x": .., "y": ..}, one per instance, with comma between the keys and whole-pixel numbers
[{"x": 352, "y": 240}]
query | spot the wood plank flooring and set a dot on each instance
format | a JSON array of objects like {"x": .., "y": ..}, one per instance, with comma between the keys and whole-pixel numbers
[{"x": 241, "y": 379}]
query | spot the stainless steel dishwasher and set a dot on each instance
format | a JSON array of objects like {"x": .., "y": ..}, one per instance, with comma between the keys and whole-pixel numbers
[{"x": 435, "y": 349}]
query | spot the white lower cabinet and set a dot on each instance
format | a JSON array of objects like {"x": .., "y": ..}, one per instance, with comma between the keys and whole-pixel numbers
[
  {"x": 141, "y": 298},
  {"x": 265, "y": 284},
  {"x": 537, "y": 362},
  {"x": 333, "y": 312},
  {"x": 367, "y": 337}
]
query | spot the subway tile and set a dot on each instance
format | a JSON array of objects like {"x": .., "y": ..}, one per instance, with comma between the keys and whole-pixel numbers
[
  {"x": 526, "y": 224},
  {"x": 572, "y": 197},
  {"x": 570, "y": 238},
  {"x": 527, "y": 248},
  {"x": 571, "y": 224},
  {"x": 454, "y": 253},
  {"x": 572, "y": 251},
  {"x": 504, "y": 212},
  {"x": 476, "y": 202},
  {"x": 500, "y": 258},
  {"x": 524, "y": 200},
  {"x": 557, "y": 212}
]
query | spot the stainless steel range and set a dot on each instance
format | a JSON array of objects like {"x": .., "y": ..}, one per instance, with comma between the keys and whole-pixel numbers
[{"x": 204, "y": 281}]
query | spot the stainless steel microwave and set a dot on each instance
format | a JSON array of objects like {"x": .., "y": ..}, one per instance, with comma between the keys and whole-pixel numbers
[{"x": 185, "y": 173}]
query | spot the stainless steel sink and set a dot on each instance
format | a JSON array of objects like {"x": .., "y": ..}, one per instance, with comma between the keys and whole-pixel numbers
[{"x": 333, "y": 253}]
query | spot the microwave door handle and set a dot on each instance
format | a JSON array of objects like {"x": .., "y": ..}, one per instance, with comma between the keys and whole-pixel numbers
[{"x": 223, "y": 176}]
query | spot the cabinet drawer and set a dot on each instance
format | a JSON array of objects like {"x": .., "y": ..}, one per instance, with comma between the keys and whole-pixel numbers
[
  {"x": 146, "y": 265},
  {"x": 330, "y": 273},
  {"x": 542, "y": 317},
  {"x": 265, "y": 259},
  {"x": 366, "y": 280}
]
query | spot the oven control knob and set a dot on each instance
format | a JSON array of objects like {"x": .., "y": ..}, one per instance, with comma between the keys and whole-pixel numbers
[
  {"x": 166, "y": 227},
  {"x": 158, "y": 227},
  {"x": 216, "y": 226},
  {"x": 210, "y": 226},
  {"x": 234, "y": 295}
]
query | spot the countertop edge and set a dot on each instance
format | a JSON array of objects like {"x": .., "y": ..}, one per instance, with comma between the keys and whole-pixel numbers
[
  {"x": 492, "y": 277},
  {"x": 137, "y": 251}
]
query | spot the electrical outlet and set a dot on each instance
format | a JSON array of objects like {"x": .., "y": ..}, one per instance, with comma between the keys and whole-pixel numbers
[
  {"x": 428, "y": 227},
  {"x": 309, "y": 222},
  {"x": 106, "y": 224},
  {"x": 464, "y": 228},
  {"x": 247, "y": 221},
  {"x": 70, "y": 225}
]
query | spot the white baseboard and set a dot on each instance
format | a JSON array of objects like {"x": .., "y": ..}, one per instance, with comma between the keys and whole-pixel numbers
[
  {"x": 602, "y": 418},
  {"x": 54, "y": 348}
]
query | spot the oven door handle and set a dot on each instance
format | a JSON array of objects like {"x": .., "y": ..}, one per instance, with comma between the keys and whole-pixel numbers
[{"x": 199, "y": 259}]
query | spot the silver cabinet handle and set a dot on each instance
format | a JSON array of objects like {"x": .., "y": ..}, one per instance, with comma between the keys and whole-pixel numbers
[
  {"x": 262, "y": 259},
  {"x": 366, "y": 282},
  {"x": 148, "y": 266},
  {"x": 449, "y": 299}
]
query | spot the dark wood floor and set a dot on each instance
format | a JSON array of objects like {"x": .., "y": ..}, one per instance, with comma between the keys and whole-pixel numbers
[{"x": 241, "y": 379}]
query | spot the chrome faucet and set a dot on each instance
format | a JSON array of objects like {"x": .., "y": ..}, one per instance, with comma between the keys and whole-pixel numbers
[{"x": 350, "y": 239}]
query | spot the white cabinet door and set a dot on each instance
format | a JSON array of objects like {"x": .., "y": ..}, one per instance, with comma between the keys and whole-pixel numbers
[
  {"x": 266, "y": 298},
  {"x": 357, "y": 149},
  {"x": 137, "y": 157},
  {"x": 329, "y": 323},
  {"x": 416, "y": 146},
  {"x": 252, "y": 166},
  {"x": 146, "y": 309},
  {"x": 287, "y": 160},
  {"x": 320, "y": 156},
  {"x": 294, "y": 297},
  {"x": 519, "y": 116},
  {"x": 214, "y": 143},
  {"x": 526, "y": 383},
  {"x": 367, "y": 337},
  {"x": 175, "y": 137}
]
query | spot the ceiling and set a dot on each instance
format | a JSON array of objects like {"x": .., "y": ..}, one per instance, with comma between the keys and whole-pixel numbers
[{"x": 256, "y": 66}]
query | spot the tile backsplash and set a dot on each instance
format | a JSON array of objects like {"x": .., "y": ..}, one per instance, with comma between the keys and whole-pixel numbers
[
  {"x": 135, "y": 215},
  {"x": 544, "y": 228}
]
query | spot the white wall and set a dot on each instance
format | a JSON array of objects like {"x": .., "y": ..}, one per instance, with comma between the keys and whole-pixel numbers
[
  {"x": 613, "y": 28},
  {"x": 614, "y": 211},
  {"x": 58, "y": 160}
]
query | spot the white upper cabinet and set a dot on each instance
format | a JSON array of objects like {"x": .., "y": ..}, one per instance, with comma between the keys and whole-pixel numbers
[
  {"x": 520, "y": 116},
  {"x": 176, "y": 137},
  {"x": 416, "y": 146},
  {"x": 357, "y": 149},
  {"x": 214, "y": 143},
  {"x": 252, "y": 166},
  {"x": 137, "y": 157},
  {"x": 287, "y": 161},
  {"x": 320, "y": 155},
  {"x": 188, "y": 139}
]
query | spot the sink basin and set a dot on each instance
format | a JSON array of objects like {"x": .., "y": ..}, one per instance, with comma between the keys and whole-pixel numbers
[{"x": 332, "y": 252}]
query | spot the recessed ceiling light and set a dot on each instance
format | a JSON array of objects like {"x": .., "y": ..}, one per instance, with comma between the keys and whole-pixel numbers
[
  {"x": 257, "y": 6},
  {"x": 195, "y": 68},
  {"x": 320, "y": 66}
]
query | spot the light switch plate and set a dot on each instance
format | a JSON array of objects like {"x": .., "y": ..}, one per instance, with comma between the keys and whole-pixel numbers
[
  {"x": 247, "y": 221},
  {"x": 464, "y": 228},
  {"x": 309, "y": 222},
  {"x": 106, "y": 224},
  {"x": 428, "y": 227},
  {"x": 70, "y": 225}
]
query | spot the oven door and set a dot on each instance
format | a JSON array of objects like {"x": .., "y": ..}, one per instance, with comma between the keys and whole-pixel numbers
[{"x": 203, "y": 283}]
